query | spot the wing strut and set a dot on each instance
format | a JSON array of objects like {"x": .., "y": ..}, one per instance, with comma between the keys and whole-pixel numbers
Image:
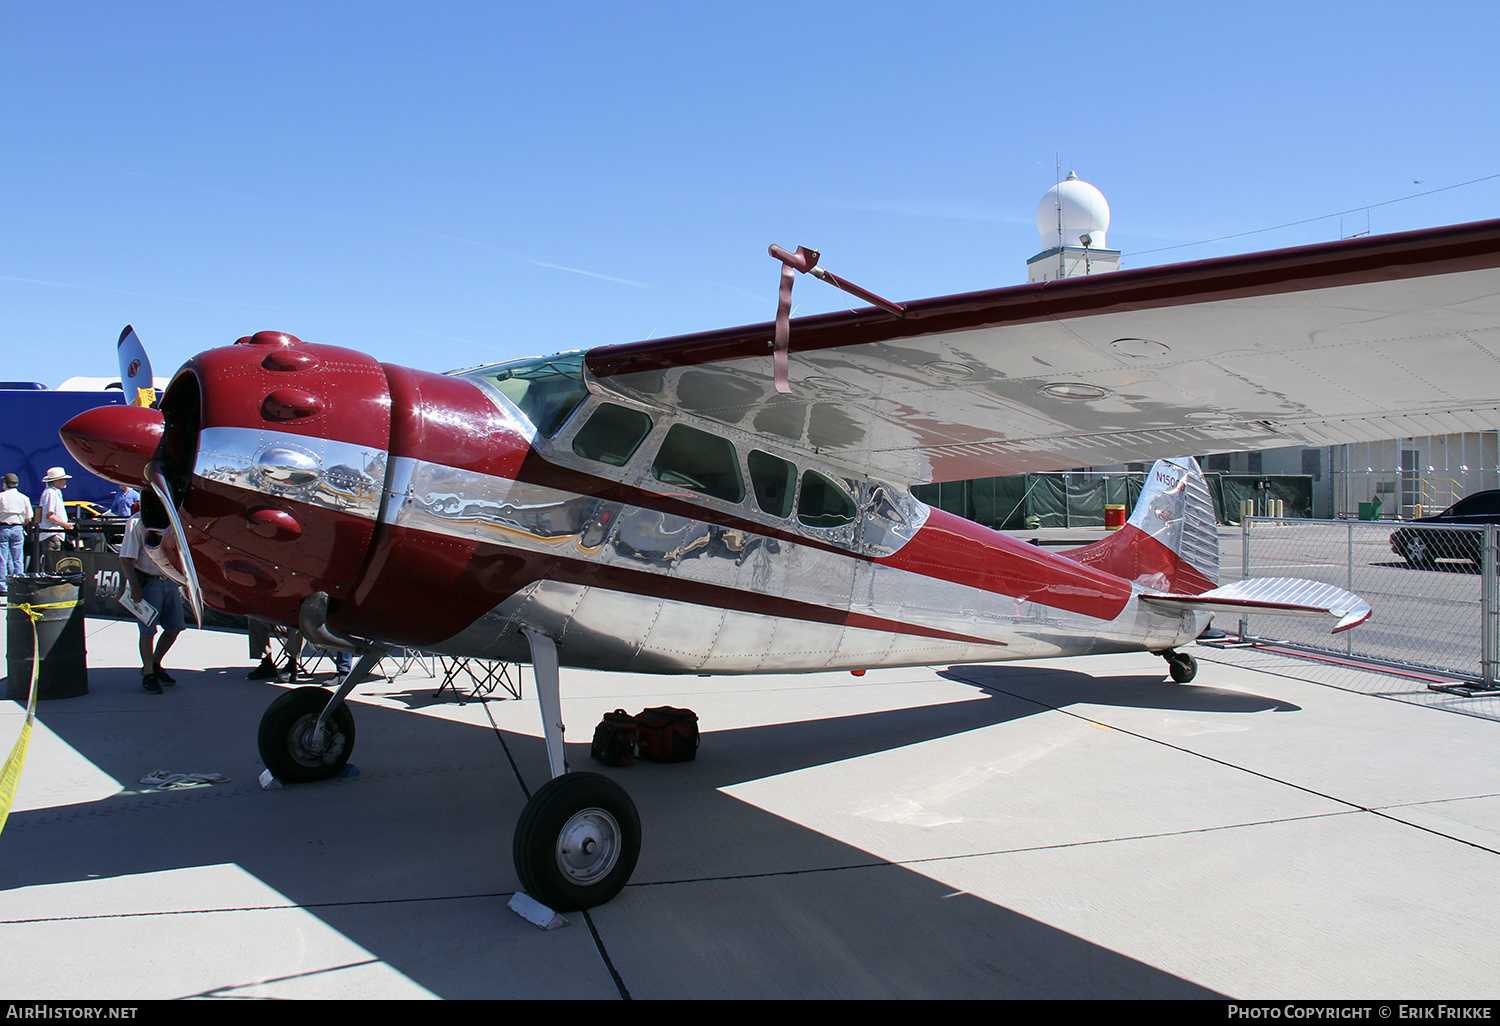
[{"x": 806, "y": 261}]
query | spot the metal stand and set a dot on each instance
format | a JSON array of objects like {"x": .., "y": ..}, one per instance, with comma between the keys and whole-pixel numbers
[{"x": 483, "y": 676}]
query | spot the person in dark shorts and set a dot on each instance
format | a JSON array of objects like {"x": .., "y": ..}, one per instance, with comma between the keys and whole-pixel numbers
[{"x": 147, "y": 583}]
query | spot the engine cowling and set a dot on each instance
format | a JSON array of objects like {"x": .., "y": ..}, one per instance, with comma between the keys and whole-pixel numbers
[{"x": 280, "y": 457}]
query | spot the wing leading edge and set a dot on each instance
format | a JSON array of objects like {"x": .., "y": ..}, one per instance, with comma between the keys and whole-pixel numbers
[{"x": 1366, "y": 339}]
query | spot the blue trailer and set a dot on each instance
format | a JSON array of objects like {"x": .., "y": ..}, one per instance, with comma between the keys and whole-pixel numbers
[{"x": 30, "y": 416}]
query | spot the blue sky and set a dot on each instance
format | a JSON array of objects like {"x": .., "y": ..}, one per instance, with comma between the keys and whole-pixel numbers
[{"x": 444, "y": 184}]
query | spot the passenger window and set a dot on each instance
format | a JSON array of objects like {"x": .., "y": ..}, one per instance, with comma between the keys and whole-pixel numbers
[
  {"x": 612, "y": 434},
  {"x": 774, "y": 481},
  {"x": 700, "y": 461},
  {"x": 823, "y": 503}
]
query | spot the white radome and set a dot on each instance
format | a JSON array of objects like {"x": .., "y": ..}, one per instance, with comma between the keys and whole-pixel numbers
[{"x": 1083, "y": 209}]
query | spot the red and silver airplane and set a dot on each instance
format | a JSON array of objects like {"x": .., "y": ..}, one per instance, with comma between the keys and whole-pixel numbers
[{"x": 739, "y": 501}]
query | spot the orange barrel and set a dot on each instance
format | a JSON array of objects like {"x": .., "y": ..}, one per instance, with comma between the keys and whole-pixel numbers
[{"x": 1114, "y": 518}]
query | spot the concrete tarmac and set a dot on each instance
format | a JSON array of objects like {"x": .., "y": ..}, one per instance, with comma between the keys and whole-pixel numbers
[{"x": 1069, "y": 828}]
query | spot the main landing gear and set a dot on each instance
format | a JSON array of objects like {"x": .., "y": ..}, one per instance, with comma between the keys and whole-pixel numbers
[
  {"x": 577, "y": 841},
  {"x": 579, "y": 836},
  {"x": 1183, "y": 668}
]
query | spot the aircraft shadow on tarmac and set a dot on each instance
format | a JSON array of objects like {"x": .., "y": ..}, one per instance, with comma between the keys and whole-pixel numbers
[
  {"x": 411, "y": 858},
  {"x": 1059, "y": 689}
]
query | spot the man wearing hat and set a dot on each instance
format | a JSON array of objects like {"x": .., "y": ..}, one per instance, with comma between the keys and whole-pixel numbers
[
  {"x": 15, "y": 514},
  {"x": 52, "y": 515}
]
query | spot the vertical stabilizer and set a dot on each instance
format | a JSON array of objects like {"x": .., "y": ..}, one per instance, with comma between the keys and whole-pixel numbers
[{"x": 1171, "y": 541}]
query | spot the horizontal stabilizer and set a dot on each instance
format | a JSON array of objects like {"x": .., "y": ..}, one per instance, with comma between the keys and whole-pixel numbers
[{"x": 1275, "y": 596}]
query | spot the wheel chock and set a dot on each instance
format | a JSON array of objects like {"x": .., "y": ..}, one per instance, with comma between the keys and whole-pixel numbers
[
  {"x": 535, "y": 913},
  {"x": 270, "y": 783}
]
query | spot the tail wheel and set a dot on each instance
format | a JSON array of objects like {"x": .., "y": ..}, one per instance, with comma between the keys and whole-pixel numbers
[
  {"x": 1183, "y": 668},
  {"x": 285, "y": 737},
  {"x": 577, "y": 841}
]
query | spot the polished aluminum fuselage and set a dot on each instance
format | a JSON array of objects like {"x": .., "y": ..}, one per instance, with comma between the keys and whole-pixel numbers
[{"x": 625, "y": 577}]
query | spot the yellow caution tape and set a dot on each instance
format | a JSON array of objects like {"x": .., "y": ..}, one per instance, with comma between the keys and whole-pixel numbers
[{"x": 10, "y": 774}]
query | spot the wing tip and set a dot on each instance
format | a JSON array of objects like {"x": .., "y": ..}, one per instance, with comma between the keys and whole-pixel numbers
[{"x": 1352, "y": 619}]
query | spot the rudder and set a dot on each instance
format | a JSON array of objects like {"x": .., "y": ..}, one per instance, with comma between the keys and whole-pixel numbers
[{"x": 1171, "y": 541}]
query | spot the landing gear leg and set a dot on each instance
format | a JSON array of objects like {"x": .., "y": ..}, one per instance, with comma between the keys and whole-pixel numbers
[
  {"x": 1183, "y": 668},
  {"x": 578, "y": 839},
  {"x": 548, "y": 688}
]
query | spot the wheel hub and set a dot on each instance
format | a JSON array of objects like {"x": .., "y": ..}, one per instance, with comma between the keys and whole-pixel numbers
[
  {"x": 301, "y": 746},
  {"x": 588, "y": 846}
]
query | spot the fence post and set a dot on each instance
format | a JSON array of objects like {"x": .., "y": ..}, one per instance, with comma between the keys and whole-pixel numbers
[
  {"x": 1244, "y": 564},
  {"x": 1349, "y": 586},
  {"x": 1489, "y": 626}
]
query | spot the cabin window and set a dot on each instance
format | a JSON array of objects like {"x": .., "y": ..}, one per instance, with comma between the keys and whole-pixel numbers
[
  {"x": 823, "y": 503},
  {"x": 547, "y": 391},
  {"x": 612, "y": 434},
  {"x": 700, "y": 461},
  {"x": 774, "y": 481}
]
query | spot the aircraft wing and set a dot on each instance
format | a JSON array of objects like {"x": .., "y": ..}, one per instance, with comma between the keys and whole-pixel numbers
[{"x": 1367, "y": 339}]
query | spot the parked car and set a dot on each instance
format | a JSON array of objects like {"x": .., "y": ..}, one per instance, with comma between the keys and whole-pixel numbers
[
  {"x": 94, "y": 521},
  {"x": 1425, "y": 545},
  {"x": 82, "y": 509}
]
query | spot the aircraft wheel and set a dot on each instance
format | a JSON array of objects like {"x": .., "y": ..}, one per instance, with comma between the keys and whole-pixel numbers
[
  {"x": 284, "y": 737},
  {"x": 1182, "y": 667},
  {"x": 577, "y": 841}
]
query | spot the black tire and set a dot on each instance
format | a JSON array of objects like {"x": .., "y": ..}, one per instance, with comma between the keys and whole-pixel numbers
[
  {"x": 1417, "y": 552},
  {"x": 283, "y": 736},
  {"x": 1183, "y": 668},
  {"x": 577, "y": 842}
]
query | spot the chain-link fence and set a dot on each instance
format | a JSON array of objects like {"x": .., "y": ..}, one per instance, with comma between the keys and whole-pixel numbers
[{"x": 1432, "y": 588}]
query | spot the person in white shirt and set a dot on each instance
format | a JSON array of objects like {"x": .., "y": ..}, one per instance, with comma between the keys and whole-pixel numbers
[
  {"x": 147, "y": 583},
  {"x": 15, "y": 514},
  {"x": 52, "y": 515}
]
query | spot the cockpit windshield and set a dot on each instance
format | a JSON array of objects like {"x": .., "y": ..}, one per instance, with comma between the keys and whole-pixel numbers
[{"x": 547, "y": 390}]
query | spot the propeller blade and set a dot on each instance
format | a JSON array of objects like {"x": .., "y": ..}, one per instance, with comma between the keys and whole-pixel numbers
[
  {"x": 158, "y": 482},
  {"x": 135, "y": 370}
]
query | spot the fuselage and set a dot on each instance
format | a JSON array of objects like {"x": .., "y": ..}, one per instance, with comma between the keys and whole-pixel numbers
[{"x": 446, "y": 512}]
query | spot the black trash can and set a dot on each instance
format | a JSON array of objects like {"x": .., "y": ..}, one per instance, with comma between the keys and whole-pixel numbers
[{"x": 59, "y": 646}]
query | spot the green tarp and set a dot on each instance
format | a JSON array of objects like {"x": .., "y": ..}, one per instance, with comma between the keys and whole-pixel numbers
[{"x": 1076, "y": 500}]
